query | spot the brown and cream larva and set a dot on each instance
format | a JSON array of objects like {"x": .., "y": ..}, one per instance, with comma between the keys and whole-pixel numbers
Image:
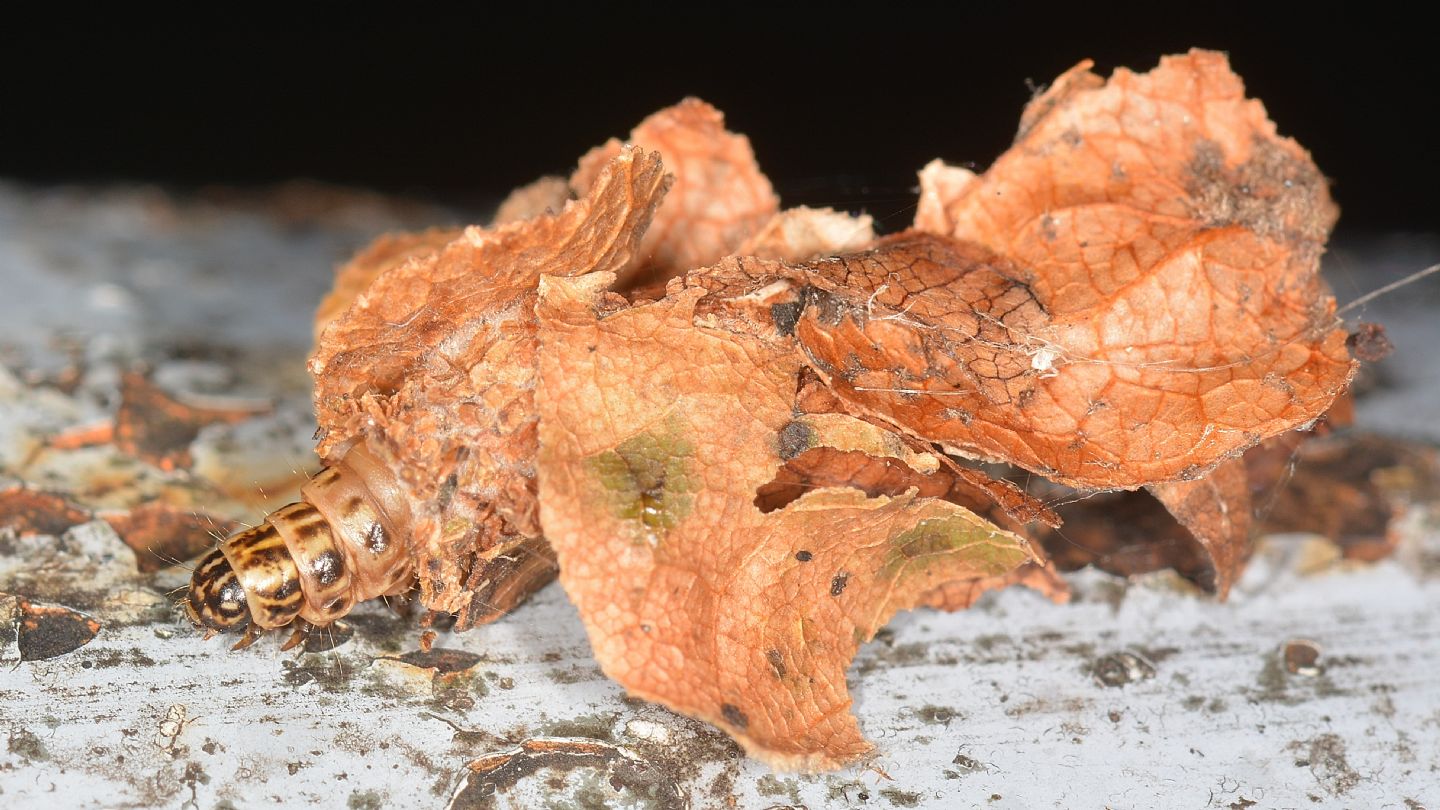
[
  {"x": 310, "y": 562},
  {"x": 346, "y": 541}
]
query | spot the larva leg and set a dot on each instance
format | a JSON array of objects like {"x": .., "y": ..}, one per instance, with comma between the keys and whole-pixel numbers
[
  {"x": 299, "y": 635},
  {"x": 251, "y": 636}
]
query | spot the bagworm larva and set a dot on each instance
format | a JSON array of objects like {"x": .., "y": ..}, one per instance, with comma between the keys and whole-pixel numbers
[
  {"x": 346, "y": 541},
  {"x": 310, "y": 562}
]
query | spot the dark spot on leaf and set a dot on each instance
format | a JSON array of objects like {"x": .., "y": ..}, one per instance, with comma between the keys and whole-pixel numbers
[
  {"x": 649, "y": 479},
  {"x": 804, "y": 556},
  {"x": 829, "y": 309},
  {"x": 795, "y": 438},
  {"x": 785, "y": 317},
  {"x": 837, "y": 585},
  {"x": 777, "y": 662},
  {"x": 733, "y": 715}
]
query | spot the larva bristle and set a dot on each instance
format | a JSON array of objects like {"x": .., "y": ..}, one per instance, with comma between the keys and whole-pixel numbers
[{"x": 310, "y": 562}]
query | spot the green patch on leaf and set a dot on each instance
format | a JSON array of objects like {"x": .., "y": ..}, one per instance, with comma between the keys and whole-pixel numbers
[
  {"x": 985, "y": 548},
  {"x": 648, "y": 480}
]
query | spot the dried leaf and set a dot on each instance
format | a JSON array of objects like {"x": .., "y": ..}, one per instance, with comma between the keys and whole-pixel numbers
[
  {"x": 1158, "y": 245},
  {"x": 1346, "y": 487},
  {"x": 1342, "y": 486},
  {"x": 433, "y": 365},
  {"x": 656, "y": 432},
  {"x": 798, "y": 234},
  {"x": 719, "y": 197},
  {"x": 1126, "y": 533},
  {"x": 546, "y": 195},
  {"x": 31, "y": 511},
  {"x": 162, "y": 535},
  {"x": 820, "y": 465},
  {"x": 744, "y": 479},
  {"x": 1216, "y": 511},
  {"x": 152, "y": 425},
  {"x": 385, "y": 253},
  {"x": 45, "y": 631},
  {"x": 961, "y": 594},
  {"x": 939, "y": 184}
]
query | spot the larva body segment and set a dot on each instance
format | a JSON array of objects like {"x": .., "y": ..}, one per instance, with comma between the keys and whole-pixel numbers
[{"x": 312, "y": 561}]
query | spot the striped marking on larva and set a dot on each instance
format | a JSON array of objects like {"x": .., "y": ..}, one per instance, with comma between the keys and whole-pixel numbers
[
  {"x": 310, "y": 562},
  {"x": 216, "y": 600},
  {"x": 324, "y": 573},
  {"x": 267, "y": 572}
]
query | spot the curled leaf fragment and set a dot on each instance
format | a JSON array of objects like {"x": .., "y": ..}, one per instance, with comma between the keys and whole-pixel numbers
[
  {"x": 798, "y": 234},
  {"x": 1171, "y": 239},
  {"x": 718, "y": 200},
  {"x": 385, "y": 253},
  {"x": 656, "y": 433},
  {"x": 433, "y": 364}
]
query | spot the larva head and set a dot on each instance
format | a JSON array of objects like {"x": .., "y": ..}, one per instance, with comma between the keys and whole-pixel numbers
[{"x": 216, "y": 600}]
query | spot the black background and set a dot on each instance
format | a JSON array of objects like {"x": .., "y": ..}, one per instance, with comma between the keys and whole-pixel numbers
[{"x": 843, "y": 103}]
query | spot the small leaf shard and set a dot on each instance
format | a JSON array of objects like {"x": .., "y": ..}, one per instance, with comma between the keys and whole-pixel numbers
[{"x": 385, "y": 253}]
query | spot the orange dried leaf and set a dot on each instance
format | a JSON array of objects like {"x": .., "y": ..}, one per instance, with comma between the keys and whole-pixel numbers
[
  {"x": 940, "y": 183},
  {"x": 1216, "y": 511},
  {"x": 1160, "y": 243},
  {"x": 434, "y": 366},
  {"x": 386, "y": 252},
  {"x": 154, "y": 426},
  {"x": 961, "y": 594},
  {"x": 656, "y": 432},
  {"x": 797, "y": 234},
  {"x": 1346, "y": 487},
  {"x": 883, "y": 471},
  {"x": 821, "y": 467},
  {"x": 1304, "y": 480},
  {"x": 719, "y": 197},
  {"x": 32, "y": 511},
  {"x": 162, "y": 534},
  {"x": 546, "y": 195}
]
